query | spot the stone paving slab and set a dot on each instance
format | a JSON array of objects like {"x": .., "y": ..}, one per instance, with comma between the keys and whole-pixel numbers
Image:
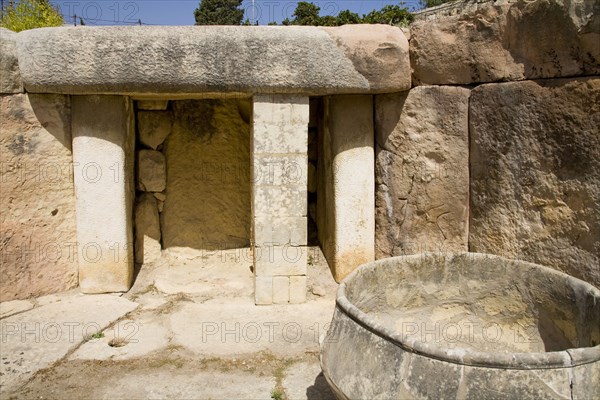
[
  {"x": 38, "y": 338},
  {"x": 127, "y": 339},
  {"x": 9, "y": 308},
  {"x": 224, "y": 327}
]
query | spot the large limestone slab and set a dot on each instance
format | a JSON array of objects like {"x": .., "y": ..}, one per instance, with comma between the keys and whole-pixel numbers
[
  {"x": 8, "y": 308},
  {"x": 223, "y": 327},
  {"x": 535, "y": 173},
  {"x": 103, "y": 141},
  {"x": 508, "y": 40},
  {"x": 346, "y": 198},
  {"x": 387, "y": 51},
  {"x": 38, "y": 338},
  {"x": 204, "y": 59},
  {"x": 10, "y": 77},
  {"x": 37, "y": 222},
  {"x": 142, "y": 334},
  {"x": 208, "y": 168},
  {"x": 422, "y": 171}
]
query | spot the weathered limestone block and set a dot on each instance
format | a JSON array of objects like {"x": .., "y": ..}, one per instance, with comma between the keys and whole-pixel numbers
[
  {"x": 279, "y": 201},
  {"x": 10, "y": 77},
  {"x": 152, "y": 105},
  {"x": 535, "y": 173},
  {"x": 173, "y": 60},
  {"x": 272, "y": 260},
  {"x": 281, "y": 290},
  {"x": 103, "y": 142},
  {"x": 154, "y": 127},
  {"x": 508, "y": 40},
  {"x": 208, "y": 200},
  {"x": 263, "y": 290},
  {"x": 280, "y": 125},
  {"x": 422, "y": 171},
  {"x": 269, "y": 230},
  {"x": 37, "y": 222},
  {"x": 388, "y": 63},
  {"x": 152, "y": 174},
  {"x": 147, "y": 229},
  {"x": 280, "y": 169},
  {"x": 346, "y": 198}
]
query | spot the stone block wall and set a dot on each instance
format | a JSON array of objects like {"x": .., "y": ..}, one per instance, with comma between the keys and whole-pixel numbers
[
  {"x": 508, "y": 163},
  {"x": 154, "y": 123}
]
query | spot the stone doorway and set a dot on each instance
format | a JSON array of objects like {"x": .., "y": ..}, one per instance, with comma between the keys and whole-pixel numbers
[{"x": 227, "y": 173}]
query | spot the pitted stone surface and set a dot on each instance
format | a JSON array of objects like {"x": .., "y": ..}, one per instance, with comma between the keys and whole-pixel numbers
[
  {"x": 37, "y": 223},
  {"x": 387, "y": 49},
  {"x": 535, "y": 173},
  {"x": 173, "y": 60},
  {"x": 508, "y": 40},
  {"x": 422, "y": 171}
]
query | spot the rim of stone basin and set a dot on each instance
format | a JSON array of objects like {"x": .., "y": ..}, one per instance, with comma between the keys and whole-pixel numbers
[{"x": 534, "y": 360}]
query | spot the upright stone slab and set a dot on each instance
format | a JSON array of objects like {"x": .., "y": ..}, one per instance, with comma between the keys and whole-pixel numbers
[
  {"x": 535, "y": 173},
  {"x": 422, "y": 171},
  {"x": 103, "y": 144},
  {"x": 279, "y": 197},
  {"x": 346, "y": 198},
  {"x": 37, "y": 202}
]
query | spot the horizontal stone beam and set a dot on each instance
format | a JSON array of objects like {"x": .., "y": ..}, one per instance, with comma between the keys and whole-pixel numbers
[{"x": 222, "y": 59}]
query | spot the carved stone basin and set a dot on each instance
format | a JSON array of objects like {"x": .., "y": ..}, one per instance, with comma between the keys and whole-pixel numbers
[{"x": 463, "y": 326}]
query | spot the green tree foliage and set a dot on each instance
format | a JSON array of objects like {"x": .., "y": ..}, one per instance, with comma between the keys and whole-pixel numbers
[
  {"x": 21, "y": 15},
  {"x": 219, "y": 12},
  {"x": 308, "y": 14},
  {"x": 347, "y": 17},
  {"x": 390, "y": 14}
]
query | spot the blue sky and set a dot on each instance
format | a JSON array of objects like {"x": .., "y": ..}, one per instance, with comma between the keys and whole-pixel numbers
[{"x": 181, "y": 12}]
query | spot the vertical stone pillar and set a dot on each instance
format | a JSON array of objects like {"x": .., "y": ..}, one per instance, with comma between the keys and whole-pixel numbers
[
  {"x": 103, "y": 144},
  {"x": 346, "y": 189},
  {"x": 279, "y": 198}
]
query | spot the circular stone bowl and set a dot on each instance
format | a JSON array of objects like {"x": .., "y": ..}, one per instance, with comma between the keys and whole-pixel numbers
[{"x": 463, "y": 326}]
